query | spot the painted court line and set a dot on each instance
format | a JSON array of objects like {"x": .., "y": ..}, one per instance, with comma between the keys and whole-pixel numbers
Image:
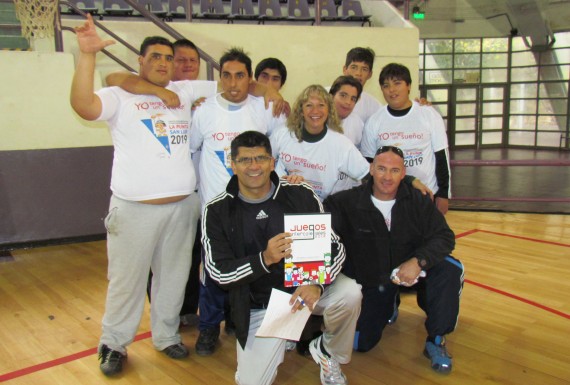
[
  {"x": 58, "y": 361},
  {"x": 89, "y": 352},
  {"x": 507, "y": 294}
]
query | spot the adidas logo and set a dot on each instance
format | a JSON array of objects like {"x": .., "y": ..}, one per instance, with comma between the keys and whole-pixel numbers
[{"x": 262, "y": 215}]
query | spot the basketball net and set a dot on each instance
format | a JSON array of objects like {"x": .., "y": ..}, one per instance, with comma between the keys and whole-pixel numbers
[{"x": 36, "y": 17}]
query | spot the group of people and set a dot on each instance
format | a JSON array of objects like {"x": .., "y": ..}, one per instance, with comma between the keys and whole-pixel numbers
[{"x": 230, "y": 170}]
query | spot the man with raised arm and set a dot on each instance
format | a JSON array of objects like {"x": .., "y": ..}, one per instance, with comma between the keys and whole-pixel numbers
[{"x": 153, "y": 210}]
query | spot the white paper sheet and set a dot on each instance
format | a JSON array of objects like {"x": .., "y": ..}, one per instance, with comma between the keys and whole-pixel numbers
[{"x": 279, "y": 322}]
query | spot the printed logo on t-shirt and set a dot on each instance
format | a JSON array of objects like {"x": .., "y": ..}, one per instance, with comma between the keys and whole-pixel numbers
[
  {"x": 225, "y": 156},
  {"x": 158, "y": 128},
  {"x": 168, "y": 133},
  {"x": 262, "y": 215},
  {"x": 400, "y": 135}
]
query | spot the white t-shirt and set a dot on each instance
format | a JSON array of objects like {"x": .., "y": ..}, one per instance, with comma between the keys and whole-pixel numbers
[
  {"x": 420, "y": 134},
  {"x": 213, "y": 129},
  {"x": 353, "y": 126},
  {"x": 152, "y": 152},
  {"x": 332, "y": 164},
  {"x": 385, "y": 208},
  {"x": 366, "y": 106}
]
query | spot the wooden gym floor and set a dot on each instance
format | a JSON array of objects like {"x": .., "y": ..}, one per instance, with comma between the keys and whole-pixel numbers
[{"x": 514, "y": 325}]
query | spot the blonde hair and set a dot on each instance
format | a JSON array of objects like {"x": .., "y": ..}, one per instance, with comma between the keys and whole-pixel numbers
[{"x": 296, "y": 120}]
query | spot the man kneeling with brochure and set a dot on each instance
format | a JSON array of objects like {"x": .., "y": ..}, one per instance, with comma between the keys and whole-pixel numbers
[{"x": 245, "y": 247}]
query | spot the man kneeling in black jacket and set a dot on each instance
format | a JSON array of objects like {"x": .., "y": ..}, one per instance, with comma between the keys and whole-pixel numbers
[{"x": 395, "y": 236}]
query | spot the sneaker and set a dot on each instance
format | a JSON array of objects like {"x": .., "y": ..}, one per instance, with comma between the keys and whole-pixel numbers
[
  {"x": 330, "y": 368},
  {"x": 176, "y": 351},
  {"x": 437, "y": 353},
  {"x": 290, "y": 345},
  {"x": 111, "y": 360},
  {"x": 206, "y": 342}
]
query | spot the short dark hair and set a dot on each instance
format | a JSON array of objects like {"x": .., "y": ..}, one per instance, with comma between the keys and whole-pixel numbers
[
  {"x": 250, "y": 139},
  {"x": 359, "y": 54},
  {"x": 152, "y": 40},
  {"x": 187, "y": 44},
  {"x": 236, "y": 54},
  {"x": 273, "y": 64},
  {"x": 395, "y": 71},
  {"x": 343, "y": 81}
]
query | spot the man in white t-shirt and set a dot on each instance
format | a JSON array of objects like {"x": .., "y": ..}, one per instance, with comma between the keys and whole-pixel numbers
[
  {"x": 216, "y": 123},
  {"x": 418, "y": 130},
  {"x": 186, "y": 60},
  {"x": 153, "y": 210}
]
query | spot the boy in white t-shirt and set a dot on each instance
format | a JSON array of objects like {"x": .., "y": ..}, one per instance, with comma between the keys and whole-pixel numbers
[
  {"x": 346, "y": 92},
  {"x": 418, "y": 130},
  {"x": 358, "y": 64}
]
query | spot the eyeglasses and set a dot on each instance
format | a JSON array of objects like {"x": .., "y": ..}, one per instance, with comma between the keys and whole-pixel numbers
[
  {"x": 394, "y": 149},
  {"x": 247, "y": 161}
]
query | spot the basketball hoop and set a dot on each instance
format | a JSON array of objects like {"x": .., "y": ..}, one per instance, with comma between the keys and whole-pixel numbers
[{"x": 36, "y": 17}]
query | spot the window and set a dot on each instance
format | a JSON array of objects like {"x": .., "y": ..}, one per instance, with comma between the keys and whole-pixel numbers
[{"x": 500, "y": 89}]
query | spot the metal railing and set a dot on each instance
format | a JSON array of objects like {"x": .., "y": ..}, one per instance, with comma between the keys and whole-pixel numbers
[{"x": 211, "y": 63}]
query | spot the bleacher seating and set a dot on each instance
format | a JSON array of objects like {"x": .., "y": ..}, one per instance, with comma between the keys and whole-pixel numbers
[
  {"x": 242, "y": 10},
  {"x": 352, "y": 11},
  {"x": 298, "y": 10},
  {"x": 155, "y": 7},
  {"x": 117, "y": 8},
  {"x": 329, "y": 11},
  {"x": 335, "y": 11},
  {"x": 212, "y": 9},
  {"x": 88, "y": 6},
  {"x": 269, "y": 10},
  {"x": 177, "y": 9}
]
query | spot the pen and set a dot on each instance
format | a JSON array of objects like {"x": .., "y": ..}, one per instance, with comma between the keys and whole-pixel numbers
[{"x": 300, "y": 300}]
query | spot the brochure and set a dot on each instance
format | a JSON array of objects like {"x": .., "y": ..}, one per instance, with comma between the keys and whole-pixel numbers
[{"x": 310, "y": 259}]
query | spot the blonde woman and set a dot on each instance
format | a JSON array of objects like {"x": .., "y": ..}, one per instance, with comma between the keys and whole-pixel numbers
[{"x": 313, "y": 145}]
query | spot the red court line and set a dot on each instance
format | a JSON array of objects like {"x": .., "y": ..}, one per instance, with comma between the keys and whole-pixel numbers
[
  {"x": 466, "y": 233},
  {"x": 526, "y": 238},
  {"x": 85, "y": 353},
  {"x": 529, "y": 302},
  {"x": 58, "y": 361},
  {"x": 506, "y": 294}
]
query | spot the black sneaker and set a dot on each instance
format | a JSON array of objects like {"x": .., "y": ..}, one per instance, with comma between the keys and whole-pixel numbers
[
  {"x": 206, "y": 342},
  {"x": 111, "y": 360},
  {"x": 176, "y": 351}
]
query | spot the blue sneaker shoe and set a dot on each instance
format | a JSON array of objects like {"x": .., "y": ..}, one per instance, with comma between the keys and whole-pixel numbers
[{"x": 437, "y": 353}]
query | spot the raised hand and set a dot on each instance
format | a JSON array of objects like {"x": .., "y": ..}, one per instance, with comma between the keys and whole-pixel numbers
[{"x": 88, "y": 39}]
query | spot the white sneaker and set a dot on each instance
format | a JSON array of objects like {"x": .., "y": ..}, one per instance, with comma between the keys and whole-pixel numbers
[
  {"x": 290, "y": 346},
  {"x": 331, "y": 374}
]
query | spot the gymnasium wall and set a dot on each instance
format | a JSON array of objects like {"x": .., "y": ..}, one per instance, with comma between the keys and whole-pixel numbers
[{"x": 55, "y": 167}]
